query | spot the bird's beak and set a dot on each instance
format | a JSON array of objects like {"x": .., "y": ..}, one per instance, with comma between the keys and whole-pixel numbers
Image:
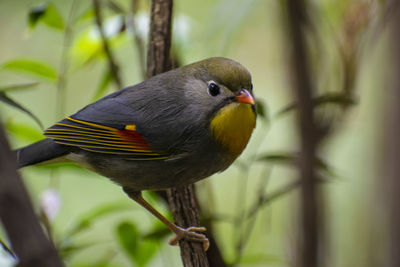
[{"x": 245, "y": 97}]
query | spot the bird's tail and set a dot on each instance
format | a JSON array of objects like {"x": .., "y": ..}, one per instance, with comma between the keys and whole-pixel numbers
[{"x": 43, "y": 150}]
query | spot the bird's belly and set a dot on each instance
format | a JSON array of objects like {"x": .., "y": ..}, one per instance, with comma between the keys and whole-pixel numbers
[{"x": 154, "y": 174}]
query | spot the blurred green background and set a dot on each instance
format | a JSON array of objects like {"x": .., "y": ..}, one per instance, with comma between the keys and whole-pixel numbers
[{"x": 252, "y": 32}]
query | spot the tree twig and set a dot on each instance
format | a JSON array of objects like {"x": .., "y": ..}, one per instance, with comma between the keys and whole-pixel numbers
[
  {"x": 28, "y": 241},
  {"x": 62, "y": 82},
  {"x": 181, "y": 200},
  {"x": 183, "y": 203},
  {"x": 390, "y": 161},
  {"x": 137, "y": 39},
  {"x": 111, "y": 60},
  {"x": 158, "y": 58},
  {"x": 309, "y": 247}
]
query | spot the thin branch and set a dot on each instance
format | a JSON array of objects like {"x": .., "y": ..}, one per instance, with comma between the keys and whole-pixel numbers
[
  {"x": 182, "y": 200},
  {"x": 158, "y": 57},
  {"x": 137, "y": 39},
  {"x": 111, "y": 60},
  {"x": 309, "y": 252},
  {"x": 62, "y": 82},
  {"x": 7, "y": 249},
  {"x": 391, "y": 149},
  {"x": 183, "y": 203},
  {"x": 28, "y": 241}
]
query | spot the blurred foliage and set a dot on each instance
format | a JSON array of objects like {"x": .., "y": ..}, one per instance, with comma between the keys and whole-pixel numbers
[
  {"x": 46, "y": 13},
  {"x": 249, "y": 31},
  {"x": 140, "y": 251},
  {"x": 35, "y": 68},
  {"x": 8, "y": 100}
]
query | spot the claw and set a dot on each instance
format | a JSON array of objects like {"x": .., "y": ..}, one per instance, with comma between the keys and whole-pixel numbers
[{"x": 190, "y": 235}]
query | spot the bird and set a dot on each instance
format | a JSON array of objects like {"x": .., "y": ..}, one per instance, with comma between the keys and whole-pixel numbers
[{"x": 173, "y": 129}]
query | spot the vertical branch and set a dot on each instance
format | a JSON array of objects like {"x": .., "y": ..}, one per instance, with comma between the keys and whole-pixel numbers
[
  {"x": 158, "y": 59},
  {"x": 308, "y": 135},
  {"x": 111, "y": 60},
  {"x": 391, "y": 166},
  {"x": 182, "y": 200},
  {"x": 137, "y": 39},
  {"x": 62, "y": 82},
  {"x": 183, "y": 203},
  {"x": 28, "y": 240}
]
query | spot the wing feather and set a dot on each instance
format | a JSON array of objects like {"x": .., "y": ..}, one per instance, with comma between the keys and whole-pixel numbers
[{"x": 121, "y": 140}]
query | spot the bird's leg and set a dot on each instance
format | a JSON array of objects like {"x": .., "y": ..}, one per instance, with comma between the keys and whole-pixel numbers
[{"x": 180, "y": 233}]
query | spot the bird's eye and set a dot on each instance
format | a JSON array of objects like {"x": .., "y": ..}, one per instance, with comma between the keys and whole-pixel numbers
[{"x": 213, "y": 89}]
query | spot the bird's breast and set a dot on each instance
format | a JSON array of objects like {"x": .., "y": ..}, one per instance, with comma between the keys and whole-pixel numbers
[{"x": 232, "y": 127}]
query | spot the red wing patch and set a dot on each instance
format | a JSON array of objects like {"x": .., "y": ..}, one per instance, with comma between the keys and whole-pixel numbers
[{"x": 123, "y": 141}]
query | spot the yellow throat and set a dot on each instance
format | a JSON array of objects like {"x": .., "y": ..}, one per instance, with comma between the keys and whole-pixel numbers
[{"x": 232, "y": 127}]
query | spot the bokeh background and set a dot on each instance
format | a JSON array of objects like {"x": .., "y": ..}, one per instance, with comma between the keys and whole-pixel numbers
[{"x": 92, "y": 213}]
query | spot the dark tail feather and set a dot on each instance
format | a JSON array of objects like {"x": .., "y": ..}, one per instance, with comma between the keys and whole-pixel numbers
[{"x": 43, "y": 150}]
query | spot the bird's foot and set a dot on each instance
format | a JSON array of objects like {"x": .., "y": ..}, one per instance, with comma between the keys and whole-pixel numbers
[{"x": 190, "y": 234}]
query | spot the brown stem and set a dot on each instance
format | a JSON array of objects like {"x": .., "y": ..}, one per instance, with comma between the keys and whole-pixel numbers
[
  {"x": 391, "y": 149},
  {"x": 183, "y": 203},
  {"x": 28, "y": 240},
  {"x": 138, "y": 41},
  {"x": 111, "y": 60},
  {"x": 310, "y": 223},
  {"x": 158, "y": 58},
  {"x": 181, "y": 200}
]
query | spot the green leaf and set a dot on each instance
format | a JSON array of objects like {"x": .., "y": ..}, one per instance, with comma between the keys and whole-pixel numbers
[
  {"x": 53, "y": 18},
  {"x": 48, "y": 14},
  {"x": 85, "y": 221},
  {"x": 57, "y": 165},
  {"x": 69, "y": 250},
  {"x": 18, "y": 87},
  {"x": 88, "y": 46},
  {"x": 128, "y": 238},
  {"x": 5, "y": 99},
  {"x": 85, "y": 15},
  {"x": 278, "y": 157},
  {"x": 139, "y": 252},
  {"x": 24, "y": 132},
  {"x": 35, "y": 14},
  {"x": 262, "y": 110},
  {"x": 32, "y": 67},
  {"x": 147, "y": 249}
]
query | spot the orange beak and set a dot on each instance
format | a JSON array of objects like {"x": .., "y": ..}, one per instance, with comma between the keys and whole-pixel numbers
[{"x": 245, "y": 97}]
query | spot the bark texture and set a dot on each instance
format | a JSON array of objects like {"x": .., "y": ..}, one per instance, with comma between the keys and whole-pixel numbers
[
  {"x": 158, "y": 58},
  {"x": 181, "y": 200}
]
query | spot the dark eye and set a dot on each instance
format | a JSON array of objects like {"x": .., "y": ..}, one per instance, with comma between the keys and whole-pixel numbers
[{"x": 213, "y": 89}]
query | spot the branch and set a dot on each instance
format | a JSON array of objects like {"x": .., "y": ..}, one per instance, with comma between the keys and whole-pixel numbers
[
  {"x": 183, "y": 203},
  {"x": 64, "y": 64},
  {"x": 111, "y": 60},
  {"x": 391, "y": 149},
  {"x": 181, "y": 200},
  {"x": 28, "y": 241},
  {"x": 138, "y": 41},
  {"x": 309, "y": 247},
  {"x": 158, "y": 59}
]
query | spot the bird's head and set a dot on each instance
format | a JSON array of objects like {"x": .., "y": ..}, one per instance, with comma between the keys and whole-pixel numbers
[{"x": 223, "y": 88}]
